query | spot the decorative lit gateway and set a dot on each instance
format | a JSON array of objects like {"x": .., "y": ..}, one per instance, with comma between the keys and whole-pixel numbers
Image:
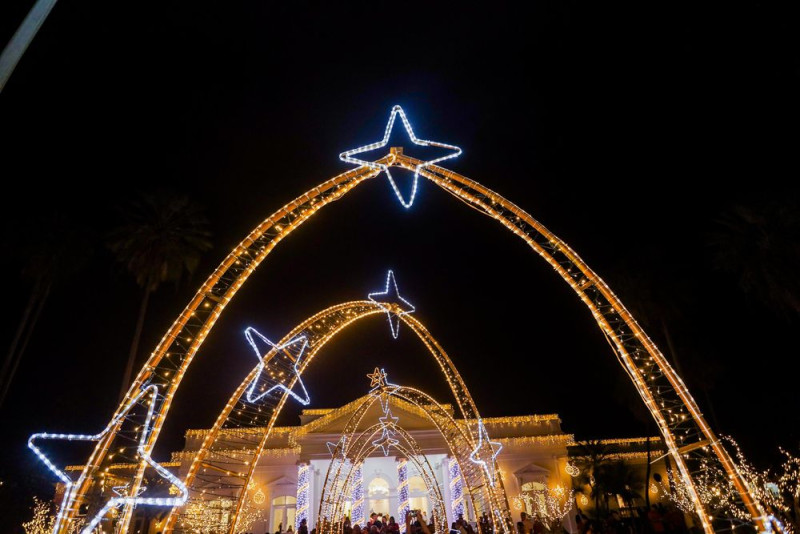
[{"x": 689, "y": 439}]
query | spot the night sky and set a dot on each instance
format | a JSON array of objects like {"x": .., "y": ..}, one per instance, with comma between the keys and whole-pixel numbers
[{"x": 629, "y": 130}]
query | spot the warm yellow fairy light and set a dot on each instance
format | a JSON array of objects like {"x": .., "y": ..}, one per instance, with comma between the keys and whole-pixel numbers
[{"x": 627, "y": 339}]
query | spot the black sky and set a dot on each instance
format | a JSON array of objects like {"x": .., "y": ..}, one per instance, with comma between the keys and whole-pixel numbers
[{"x": 626, "y": 129}]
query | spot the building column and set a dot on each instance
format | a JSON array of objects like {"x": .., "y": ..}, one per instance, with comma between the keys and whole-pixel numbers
[
  {"x": 456, "y": 489},
  {"x": 402, "y": 492},
  {"x": 357, "y": 514},
  {"x": 303, "y": 497},
  {"x": 443, "y": 469}
]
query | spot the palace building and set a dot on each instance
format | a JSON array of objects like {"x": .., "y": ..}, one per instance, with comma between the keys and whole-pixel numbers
[{"x": 534, "y": 463}]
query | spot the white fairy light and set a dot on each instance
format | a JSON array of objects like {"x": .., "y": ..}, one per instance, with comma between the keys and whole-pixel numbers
[
  {"x": 397, "y": 110},
  {"x": 474, "y": 457},
  {"x": 122, "y": 498},
  {"x": 392, "y": 294},
  {"x": 385, "y": 441},
  {"x": 302, "y": 341}
]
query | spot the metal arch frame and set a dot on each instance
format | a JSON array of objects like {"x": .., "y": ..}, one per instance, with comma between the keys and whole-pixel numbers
[
  {"x": 661, "y": 389},
  {"x": 412, "y": 453},
  {"x": 342, "y": 454},
  {"x": 318, "y": 330},
  {"x": 482, "y": 496},
  {"x": 633, "y": 348}
]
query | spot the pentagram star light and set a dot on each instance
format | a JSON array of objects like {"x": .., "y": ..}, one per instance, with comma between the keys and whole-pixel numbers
[
  {"x": 475, "y": 458},
  {"x": 149, "y": 393},
  {"x": 377, "y": 378},
  {"x": 392, "y": 294},
  {"x": 397, "y": 110},
  {"x": 300, "y": 342}
]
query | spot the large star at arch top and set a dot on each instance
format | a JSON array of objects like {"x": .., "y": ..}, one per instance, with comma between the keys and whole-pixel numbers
[
  {"x": 475, "y": 455},
  {"x": 149, "y": 394},
  {"x": 397, "y": 110},
  {"x": 391, "y": 294},
  {"x": 299, "y": 344}
]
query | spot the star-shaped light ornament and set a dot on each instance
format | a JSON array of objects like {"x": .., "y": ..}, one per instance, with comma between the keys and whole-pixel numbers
[
  {"x": 390, "y": 300},
  {"x": 385, "y": 442},
  {"x": 377, "y": 378},
  {"x": 397, "y": 110},
  {"x": 292, "y": 350},
  {"x": 338, "y": 445},
  {"x": 388, "y": 420},
  {"x": 149, "y": 394},
  {"x": 475, "y": 457}
]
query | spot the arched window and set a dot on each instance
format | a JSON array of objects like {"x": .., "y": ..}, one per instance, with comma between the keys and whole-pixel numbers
[
  {"x": 378, "y": 494},
  {"x": 282, "y": 514},
  {"x": 418, "y": 495}
]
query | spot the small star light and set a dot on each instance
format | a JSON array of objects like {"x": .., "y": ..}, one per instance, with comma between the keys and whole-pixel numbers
[
  {"x": 300, "y": 343},
  {"x": 385, "y": 441},
  {"x": 390, "y": 294},
  {"x": 339, "y": 444},
  {"x": 377, "y": 378},
  {"x": 397, "y": 110},
  {"x": 475, "y": 458},
  {"x": 149, "y": 394},
  {"x": 388, "y": 420}
]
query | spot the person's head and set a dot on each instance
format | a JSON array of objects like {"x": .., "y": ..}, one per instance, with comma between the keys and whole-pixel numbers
[
  {"x": 524, "y": 516},
  {"x": 303, "y": 521},
  {"x": 391, "y": 520}
]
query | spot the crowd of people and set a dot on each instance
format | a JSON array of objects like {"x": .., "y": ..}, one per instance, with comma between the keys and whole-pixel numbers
[{"x": 659, "y": 519}]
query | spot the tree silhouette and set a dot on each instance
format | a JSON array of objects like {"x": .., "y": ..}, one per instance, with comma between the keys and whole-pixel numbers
[
  {"x": 50, "y": 248},
  {"x": 162, "y": 237}
]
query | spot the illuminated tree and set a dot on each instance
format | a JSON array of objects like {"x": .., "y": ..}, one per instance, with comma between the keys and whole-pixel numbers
[{"x": 43, "y": 520}]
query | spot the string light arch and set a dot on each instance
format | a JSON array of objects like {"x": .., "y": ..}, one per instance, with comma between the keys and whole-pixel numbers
[
  {"x": 686, "y": 434},
  {"x": 225, "y": 461}
]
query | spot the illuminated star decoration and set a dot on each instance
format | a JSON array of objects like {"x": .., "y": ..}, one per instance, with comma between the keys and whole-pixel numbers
[
  {"x": 475, "y": 455},
  {"x": 333, "y": 446},
  {"x": 121, "y": 499},
  {"x": 390, "y": 294},
  {"x": 385, "y": 441},
  {"x": 346, "y": 156},
  {"x": 388, "y": 420},
  {"x": 377, "y": 378},
  {"x": 299, "y": 341}
]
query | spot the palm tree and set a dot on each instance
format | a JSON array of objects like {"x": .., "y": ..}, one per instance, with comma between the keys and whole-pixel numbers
[
  {"x": 590, "y": 457},
  {"x": 161, "y": 238},
  {"x": 620, "y": 478},
  {"x": 50, "y": 249}
]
